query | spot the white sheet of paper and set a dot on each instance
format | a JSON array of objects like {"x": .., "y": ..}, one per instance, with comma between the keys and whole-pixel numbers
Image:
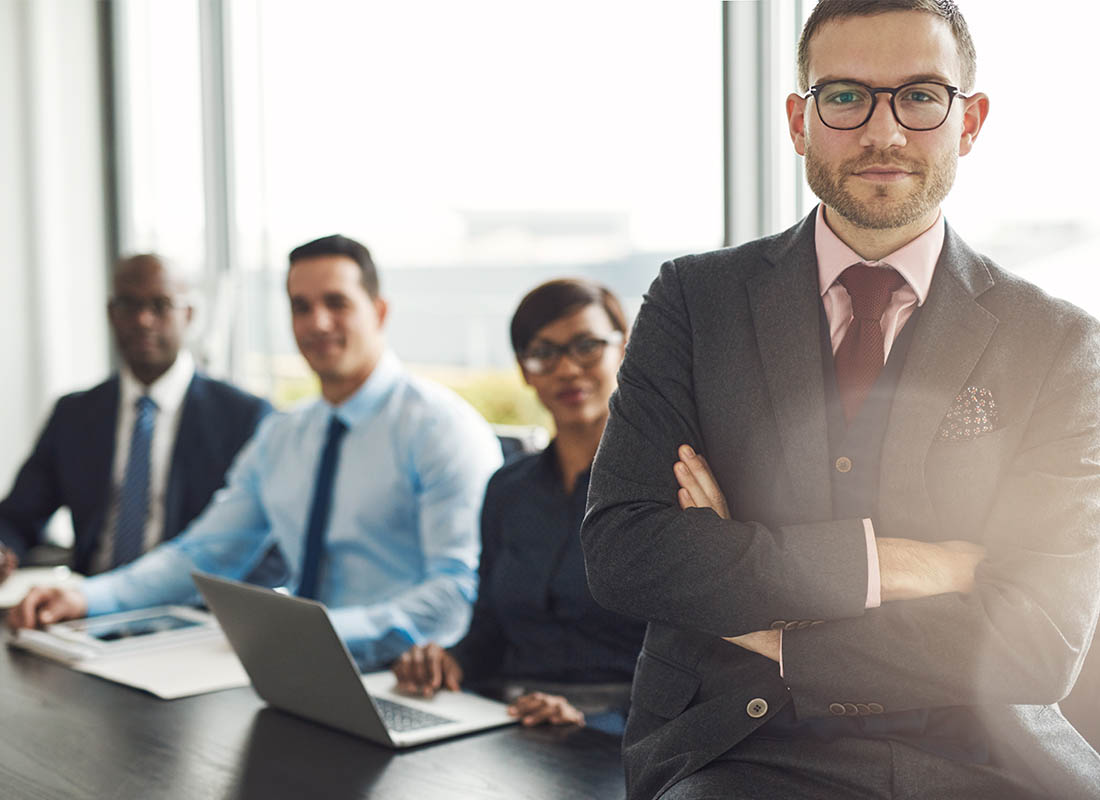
[
  {"x": 17, "y": 585},
  {"x": 189, "y": 669}
]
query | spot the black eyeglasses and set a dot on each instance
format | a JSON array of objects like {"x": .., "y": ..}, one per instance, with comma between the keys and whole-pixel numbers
[
  {"x": 918, "y": 106},
  {"x": 542, "y": 357},
  {"x": 133, "y": 306}
]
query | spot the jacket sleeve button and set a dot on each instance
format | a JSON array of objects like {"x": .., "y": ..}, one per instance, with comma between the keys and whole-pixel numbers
[{"x": 757, "y": 707}]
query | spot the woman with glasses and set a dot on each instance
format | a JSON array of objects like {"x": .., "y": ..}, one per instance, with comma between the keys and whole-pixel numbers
[{"x": 536, "y": 632}]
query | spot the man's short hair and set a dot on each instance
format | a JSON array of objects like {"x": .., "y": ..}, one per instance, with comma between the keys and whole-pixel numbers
[
  {"x": 557, "y": 299},
  {"x": 946, "y": 10},
  {"x": 339, "y": 245}
]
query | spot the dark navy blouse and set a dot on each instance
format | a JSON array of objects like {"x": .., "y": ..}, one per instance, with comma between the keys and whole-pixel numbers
[{"x": 534, "y": 617}]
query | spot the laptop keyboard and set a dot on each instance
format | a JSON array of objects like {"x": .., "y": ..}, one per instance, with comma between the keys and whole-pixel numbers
[{"x": 401, "y": 718}]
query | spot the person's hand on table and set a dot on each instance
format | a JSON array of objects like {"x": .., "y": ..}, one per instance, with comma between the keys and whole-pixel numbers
[
  {"x": 45, "y": 605},
  {"x": 425, "y": 669},
  {"x": 8, "y": 562},
  {"x": 537, "y": 708}
]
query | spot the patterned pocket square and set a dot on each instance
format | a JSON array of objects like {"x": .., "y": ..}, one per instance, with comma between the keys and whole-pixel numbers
[{"x": 973, "y": 414}]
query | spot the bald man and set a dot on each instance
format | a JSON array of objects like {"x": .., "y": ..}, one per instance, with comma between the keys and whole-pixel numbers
[{"x": 137, "y": 457}]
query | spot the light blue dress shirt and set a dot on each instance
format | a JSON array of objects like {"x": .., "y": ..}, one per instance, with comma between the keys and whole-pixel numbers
[{"x": 400, "y": 564}]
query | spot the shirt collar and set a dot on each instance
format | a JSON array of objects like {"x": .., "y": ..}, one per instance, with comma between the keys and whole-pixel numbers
[
  {"x": 915, "y": 261},
  {"x": 167, "y": 391},
  {"x": 369, "y": 397},
  {"x": 551, "y": 469}
]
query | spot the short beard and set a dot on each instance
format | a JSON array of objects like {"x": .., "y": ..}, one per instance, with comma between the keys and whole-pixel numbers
[{"x": 934, "y": 182}]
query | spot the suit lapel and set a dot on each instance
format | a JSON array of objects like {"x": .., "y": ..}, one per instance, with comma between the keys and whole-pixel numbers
[
  {"x": 188, "y": 442},
  {"x": 952, "y": 332},
  {"x": 98, "y": 456},
  {"x": 786, "y": 307},
  {"x": 101, "y": 445}
]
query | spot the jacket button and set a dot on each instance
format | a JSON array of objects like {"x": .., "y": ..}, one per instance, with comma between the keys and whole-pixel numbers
[
  {"x": 875, "y": 708},
  {"x": 863, "y": 709},
  {"x": 836, "y": 709},
  {"x": 779, "y": 624},
  {"x": 850, "y": 710},
  {"x": 757, "y": 707},
  {"x": 844, "y": 464}
]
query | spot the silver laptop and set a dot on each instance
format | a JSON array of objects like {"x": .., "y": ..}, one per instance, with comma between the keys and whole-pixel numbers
[{"x": 298, "y": 664}]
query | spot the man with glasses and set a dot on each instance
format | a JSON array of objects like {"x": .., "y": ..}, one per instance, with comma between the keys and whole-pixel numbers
[
  {"x": 883, "y": 576},
  {"x": 136, "y": 458},
  {"x": 370, "y": 495}
]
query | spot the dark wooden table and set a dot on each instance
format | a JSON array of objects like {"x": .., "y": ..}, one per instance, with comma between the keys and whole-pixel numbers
[{"x": 64, "y": 734}]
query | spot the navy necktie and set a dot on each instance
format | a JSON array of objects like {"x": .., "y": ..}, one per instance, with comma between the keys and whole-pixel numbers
[
  {"x": 319, "y": 509},
  {"x": 133, "y": 499}
]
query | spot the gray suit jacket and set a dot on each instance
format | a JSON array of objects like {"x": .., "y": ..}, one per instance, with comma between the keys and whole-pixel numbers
[{"x": 726, "y": 356}]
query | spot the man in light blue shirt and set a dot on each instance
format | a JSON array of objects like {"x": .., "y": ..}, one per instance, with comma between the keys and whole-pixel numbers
[{"x": 398, "y": 562}]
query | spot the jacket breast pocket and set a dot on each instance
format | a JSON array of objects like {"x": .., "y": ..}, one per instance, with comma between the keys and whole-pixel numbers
[
  {"x": 963, "y": 477},
  {"x": 661, "y": 687}
]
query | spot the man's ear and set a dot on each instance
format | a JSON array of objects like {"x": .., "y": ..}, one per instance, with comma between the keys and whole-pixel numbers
[
  {"x": 975, "y": 110},
  {"x": 796, "y": 121},
  {"x": 380, "y": 308}
]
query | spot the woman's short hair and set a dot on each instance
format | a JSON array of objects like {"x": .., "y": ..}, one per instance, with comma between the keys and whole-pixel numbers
[{"x": 560, "y": 298}]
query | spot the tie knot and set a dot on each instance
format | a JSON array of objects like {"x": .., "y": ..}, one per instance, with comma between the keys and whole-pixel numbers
[
  {"x": 336, "y": 428},
  {"x": 870, "y": 289},
  {"x": 145, "y": 404}
]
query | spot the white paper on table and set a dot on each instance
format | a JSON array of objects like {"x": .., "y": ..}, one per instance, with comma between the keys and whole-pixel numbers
[
  {"x": 189, "y": 669},
  {"x": 17, "y": 585}
]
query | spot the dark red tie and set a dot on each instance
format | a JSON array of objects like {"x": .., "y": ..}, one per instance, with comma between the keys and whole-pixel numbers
[{"x": 860, "y": 356}]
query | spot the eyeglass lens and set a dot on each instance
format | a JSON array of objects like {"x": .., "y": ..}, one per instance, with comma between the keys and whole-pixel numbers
[
  {"x": 917, "y": 106},
  {"x": 544, "y": 356},
  {"x": 132, "y": 306}
]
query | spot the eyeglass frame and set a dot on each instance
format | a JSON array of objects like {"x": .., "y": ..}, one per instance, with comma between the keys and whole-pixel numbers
[
  {"x": 132, "y": 307},
  {"x": 893, "y": 92},
  {"x": 559, "y": 350}
]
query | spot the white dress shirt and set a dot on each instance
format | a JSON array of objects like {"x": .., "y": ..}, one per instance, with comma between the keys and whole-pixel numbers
[{"x": 168, "y": 392}]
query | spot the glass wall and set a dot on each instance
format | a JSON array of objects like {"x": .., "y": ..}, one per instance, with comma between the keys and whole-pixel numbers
[{"x": 477, "y": 149}]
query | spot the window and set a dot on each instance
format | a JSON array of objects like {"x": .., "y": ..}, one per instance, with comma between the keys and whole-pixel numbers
[{"x": 477, "y": 149}]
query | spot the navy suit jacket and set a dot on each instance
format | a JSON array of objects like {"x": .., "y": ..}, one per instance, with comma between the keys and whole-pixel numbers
[{"x": 72, "y": 462}]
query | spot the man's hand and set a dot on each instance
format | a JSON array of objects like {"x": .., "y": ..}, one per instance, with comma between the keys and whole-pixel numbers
[
  {"x": 45, "y": 605},
  {"x": 911, "y": 569},
  {"x": 8, "y": 562},
  {"x": 766, "y": 643},
  {"x": 425, "y": 669},
  {"x": 537, "y": 708},
  {"x": 698, "y": 488}
]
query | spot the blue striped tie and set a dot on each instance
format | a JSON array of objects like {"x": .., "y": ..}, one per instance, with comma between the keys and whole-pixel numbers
[
  {"x": 319, "y": 509},
  {"x": 133, "y": 499}
]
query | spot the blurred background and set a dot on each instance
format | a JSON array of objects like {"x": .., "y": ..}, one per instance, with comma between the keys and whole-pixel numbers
[{"x": 477, "y": 148}]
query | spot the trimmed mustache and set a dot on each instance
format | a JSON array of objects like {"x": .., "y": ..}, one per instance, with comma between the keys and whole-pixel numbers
[{"x": 879, "y": 160}]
